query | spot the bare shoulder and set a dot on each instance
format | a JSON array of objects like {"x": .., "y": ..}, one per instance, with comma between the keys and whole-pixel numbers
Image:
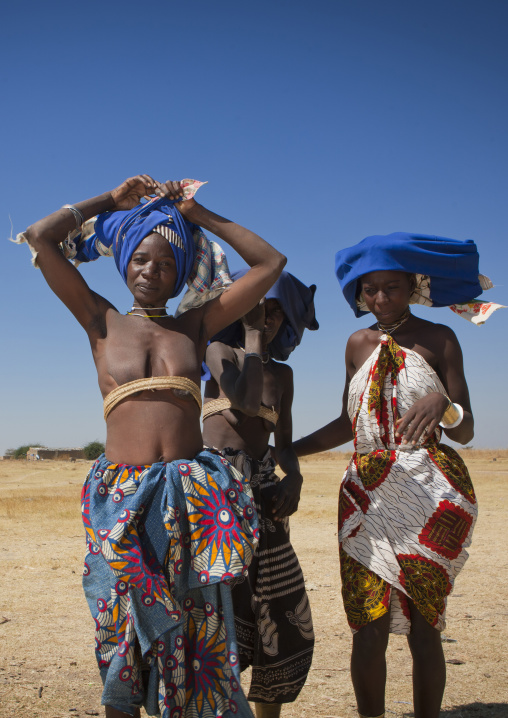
[
  {"x": 283, "y": 371},
  {"x": 221, "y": 358},
  {"x": 282, "y": 376},
  {"x": 359, "y": 338},
  {"x": 359, "y": 347},
  {"x": 447, "y": 331},
  {"x": 442, "y": 330},
  {"x": 436, "y": 343},
  {"x": 435, "y": 336},
  {"x": 218, "y": 349}
]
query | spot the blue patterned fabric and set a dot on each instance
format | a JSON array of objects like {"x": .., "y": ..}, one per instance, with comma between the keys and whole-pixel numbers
[
  {"x": 163, "y": 543},
  {"x": 122, "y": 232},
  {"x": 451, "y": 266}
]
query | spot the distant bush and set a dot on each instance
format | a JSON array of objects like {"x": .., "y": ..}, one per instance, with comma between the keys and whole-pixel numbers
[{"x": 93, "y": 450}]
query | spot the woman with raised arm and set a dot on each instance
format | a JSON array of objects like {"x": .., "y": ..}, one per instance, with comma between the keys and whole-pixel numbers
[
  {"x": 249, "y": 396},
  {"x": 168, "y": 524},
  {"x": 407, "y": 506}
]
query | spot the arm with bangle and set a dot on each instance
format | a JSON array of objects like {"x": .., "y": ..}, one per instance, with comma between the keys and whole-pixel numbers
[
  {"x": 452, "y": 410},
  {"x": 453, "y": 416},
  {"x": 457, "y": 419},
  {"x": 45, "y": 236}
]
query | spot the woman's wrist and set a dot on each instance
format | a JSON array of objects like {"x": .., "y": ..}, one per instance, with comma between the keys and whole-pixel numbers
[
  {"x": 96, "y": 205},
  {"x": 452, "y": 416},
  {"x": 252, "y": 341},
  {"x": 192, "y": 211}
]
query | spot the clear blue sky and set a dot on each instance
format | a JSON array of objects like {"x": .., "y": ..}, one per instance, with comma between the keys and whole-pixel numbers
[{"x": 316, "y": 124}]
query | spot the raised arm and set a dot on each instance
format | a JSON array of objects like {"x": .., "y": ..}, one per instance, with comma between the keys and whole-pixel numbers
[
  {"x": 242, "y": 386},
  {"x": 265, "y": 261},
  {"x": 45, "y": 236}
]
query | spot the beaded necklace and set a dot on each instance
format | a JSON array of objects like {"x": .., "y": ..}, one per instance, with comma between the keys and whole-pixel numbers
[
  {"x": 390, "y": 328},
  {"x": 132, "y": 313}
]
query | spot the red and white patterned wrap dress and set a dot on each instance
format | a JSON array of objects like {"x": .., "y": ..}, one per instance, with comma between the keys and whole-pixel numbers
[{"x": 406, "y": 514}]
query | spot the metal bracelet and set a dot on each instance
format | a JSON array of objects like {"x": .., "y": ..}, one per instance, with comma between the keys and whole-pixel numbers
[
  {"x": 78, "y": 214},
  {"x": 254, "y": 354}
]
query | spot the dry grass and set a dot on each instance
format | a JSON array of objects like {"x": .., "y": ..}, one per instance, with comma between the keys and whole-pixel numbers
[
  {"x": 47, "y": 634},
  {"x": 333, "y": 456},
  {"x": 39, "y": 508}
]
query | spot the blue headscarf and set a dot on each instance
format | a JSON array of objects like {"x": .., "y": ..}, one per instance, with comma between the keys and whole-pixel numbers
[
  {"x": 297, "y": 302},
  {"x": 120, "y": 233},
  {"x": 448, "y": 267}
]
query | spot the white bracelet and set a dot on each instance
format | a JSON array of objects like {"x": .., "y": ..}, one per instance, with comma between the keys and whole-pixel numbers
[
  {"x": 452, "y": 416},
  {"x": 78, "y": 214}
]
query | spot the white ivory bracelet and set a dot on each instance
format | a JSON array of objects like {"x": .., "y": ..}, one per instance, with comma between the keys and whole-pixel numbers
[{"x": 452, "y": 416}]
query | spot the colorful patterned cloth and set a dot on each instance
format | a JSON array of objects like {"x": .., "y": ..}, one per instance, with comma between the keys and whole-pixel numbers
[
  {"x": 272, "y": 612},
  {"x": 163, "y": 544},
  {"x": 406, "y": 514}
]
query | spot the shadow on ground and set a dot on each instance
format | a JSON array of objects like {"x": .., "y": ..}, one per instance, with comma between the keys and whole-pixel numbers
[
  {"x": 477, "y": 710},
  {"x": 472, "y": 710}
]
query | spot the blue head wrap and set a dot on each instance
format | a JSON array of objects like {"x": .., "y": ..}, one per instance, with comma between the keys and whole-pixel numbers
[
  {"x": 297, "y": 302},
  {"x": 448, "y": 267},
  {"x": 120, "y": 233}
]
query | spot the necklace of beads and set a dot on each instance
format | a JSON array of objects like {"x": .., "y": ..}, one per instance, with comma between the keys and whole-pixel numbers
[
  {"x": 390, "y": 328},
  {"x": 133, "y": 308},
  {"x": 148, "y": 316}
]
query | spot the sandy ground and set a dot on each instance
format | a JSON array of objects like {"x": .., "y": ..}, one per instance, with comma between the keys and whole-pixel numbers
[{"x": 47, "y": 664}]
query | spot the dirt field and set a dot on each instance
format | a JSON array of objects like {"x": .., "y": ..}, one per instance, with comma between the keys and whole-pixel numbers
[{"x": 47, "y": 664}]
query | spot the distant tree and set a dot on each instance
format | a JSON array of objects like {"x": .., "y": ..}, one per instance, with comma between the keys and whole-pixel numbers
[{"x": 93, "y": 450}]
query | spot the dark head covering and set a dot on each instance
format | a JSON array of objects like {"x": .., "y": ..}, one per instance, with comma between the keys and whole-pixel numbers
[
  {"x": 120, "y": 233},
  {"x": 447, "y": 269},
  {"x": 297, "y": 302}
]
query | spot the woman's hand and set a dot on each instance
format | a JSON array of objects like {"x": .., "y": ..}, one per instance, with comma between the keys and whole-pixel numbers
[
  {"x": 255, "y": 319},
  {"x": 273, "y": 453},
  {"x": 173, "y": 190},
  {"x": 422, "y": 419},
  {"x": 285, "y": 495},
  {"x": 129, "y": 193}
]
